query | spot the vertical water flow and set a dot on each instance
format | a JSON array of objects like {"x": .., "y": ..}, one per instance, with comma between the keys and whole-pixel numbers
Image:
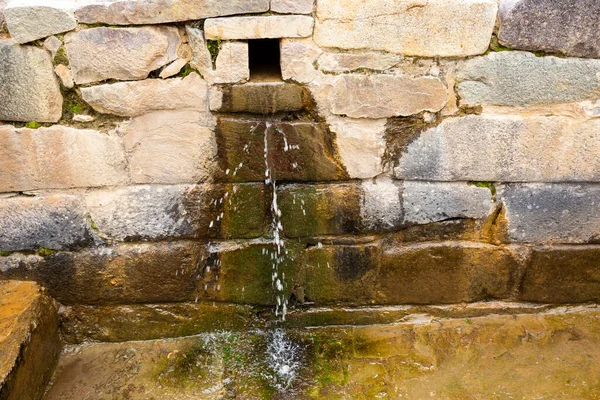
[{"x": 278, "y": 255}]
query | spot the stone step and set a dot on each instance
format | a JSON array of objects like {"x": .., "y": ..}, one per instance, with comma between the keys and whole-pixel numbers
[
  {"x": 258, "y": 98},
  {"x": 552, "y": 354},
  {"x": 29, "y": 342}
]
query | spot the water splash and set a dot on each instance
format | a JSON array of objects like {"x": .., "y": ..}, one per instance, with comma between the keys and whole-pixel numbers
[{"x": 283, "y": 358}]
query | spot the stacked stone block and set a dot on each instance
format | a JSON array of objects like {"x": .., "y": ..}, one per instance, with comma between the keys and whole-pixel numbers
[{"x": 423, "y": 152}]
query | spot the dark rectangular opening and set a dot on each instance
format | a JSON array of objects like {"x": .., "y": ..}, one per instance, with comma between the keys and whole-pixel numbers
[{"x": 264, "y": 60}]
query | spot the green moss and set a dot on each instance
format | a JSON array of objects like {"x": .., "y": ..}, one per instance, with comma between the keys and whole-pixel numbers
[
  {"x": 214, "y": 47},
  {"x": 93, "y": 225},
  {"x": 44, "y": 252},
  {"x": 76, "y": 108},
  {"x": 5, "y": 253},
  {"x": 61, "y": 57},
  {"x": 496, "y": 46},
  {"x": 485, "y": 184},
  {"x": 33, "y": 125},
  {"x": 468, "y": 321},
  {"x": 244, "y": 211},
  {"x": 186, "y": 71}
]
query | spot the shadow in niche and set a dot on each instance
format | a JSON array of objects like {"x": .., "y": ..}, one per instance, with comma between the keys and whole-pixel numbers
[{"x": 265, "y": 60}]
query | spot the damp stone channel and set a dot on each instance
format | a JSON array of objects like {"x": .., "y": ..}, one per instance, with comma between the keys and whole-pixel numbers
[{"x": 308, "y": 199}]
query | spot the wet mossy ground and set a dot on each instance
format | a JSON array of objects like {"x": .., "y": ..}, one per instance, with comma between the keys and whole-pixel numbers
[{"x": 551, "y": 355}]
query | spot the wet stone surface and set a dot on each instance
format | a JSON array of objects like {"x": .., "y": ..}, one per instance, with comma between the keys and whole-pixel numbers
[{"x": 547, "y": 355}]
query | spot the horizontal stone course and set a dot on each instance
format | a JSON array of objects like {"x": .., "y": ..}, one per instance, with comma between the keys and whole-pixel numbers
[
  {"x": 29, "y": 20},
  {"x": 438, "y": 28},
  {"x": 53, "y": 222},
  {"x": 383, "y": 96},
  {"x": 29, "y": 89},
  {"x": 59, "y": 157},
  {"x": 263, "y": 27},
  {"x": 98, "y": 54},
  {"x": 132, "y": 99},
  {"x": 139, "y": 12},
  {"x": 560, "y": 213},
  {"x": 514, "y": 78},
  {"x": 257, "y": 98},
  {"x": 292, "y": 6},
  {"x": 567, "y": 27},
  {"x": 504, "y": 148}
]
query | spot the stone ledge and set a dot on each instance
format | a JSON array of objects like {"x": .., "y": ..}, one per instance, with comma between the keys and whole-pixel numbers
[{"x": 29, "y": 342}]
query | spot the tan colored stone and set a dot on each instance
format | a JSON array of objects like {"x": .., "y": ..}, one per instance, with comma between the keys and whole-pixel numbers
[
  {"x": 434, "y": 28},
  {"x": 102, "y": 53},
  {"x": 169, "y": 147},
  {"x": 382, "y": 96},
  {"x": 29, "y": 341},
  {"x": 292, "y": 6},
  {"x": 29, "y": 89},
  {"x": 298, "y": 58},
  {"x": 361, "y": 145},
  {"x": 257, "y": 98},
  {"x": 59, "y": 157},
  {"x": 131, "y": 99},
  {"x": 52, "y": 44},
  {"x": 173, "y": 69},
  {"x": 29, "y": 20},
  {"x": 346, "y": 62},
  {"x": 264, "y": 27},
  {"x": 65, "y": 75},
  {"x": 504, "y": 148},
  {"x": 139, "y": 12}
]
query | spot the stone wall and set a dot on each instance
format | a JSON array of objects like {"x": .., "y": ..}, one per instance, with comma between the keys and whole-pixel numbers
[{"x": 416, "y": 152}]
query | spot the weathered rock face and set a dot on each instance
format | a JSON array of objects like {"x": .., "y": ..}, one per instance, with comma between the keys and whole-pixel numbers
[
  {"x": 431, "y": 29},
  {"x": 53, "y": 222},
  {"x": 562, "y": 213},
  {"x": 99, "y": 54},
  {"x": 138, "y": 12},
  {"x": 292, "y": 6},
  {"x": 169, "y": 147},
  {"x": 298, "y": 57},
  {"x": 492, "y": 79},
  {"x": 257, "y": 98},
  {"x": 568, "y": 27},
  {"x": 382, "y": 96},
  {"x": 29, "y": 340},
  {"x": 297, "y": 151},
  {"x": 31, "y": 20},
  {"x": 132, "y": 99},
  {"x": 504, "y": 148},
  {"x": 59, "y": 157},
  {"x": 29, "y": 89},
  {"x": 344, "y": 62},
  {"x": 266, "y": 27}
]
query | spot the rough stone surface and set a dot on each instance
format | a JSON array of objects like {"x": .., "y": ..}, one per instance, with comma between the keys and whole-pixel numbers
[
  {"x": 504, "y": 148},
  {"x": 561, "y": 213},
  {"x": 296, "y": 151},
  {"x": 123, "y": 274},
  {"x": 292, "y": 6},
  {"x": 65, "y": 75},
  {"x": 568, "y": 27},
  {"x": 124, "y": 54},
  {"x": 257, "y": 98},
  {"x": 29, "y": 20},
  {"x": 383, "y": 96},
  {"x": 361, "y": 145},
  {"x": 29, "y": 341},
  {"x": 81, "y": 323},
  {"x": 169, "y": 147},
  {"x": 514, "y": 78},
  {"x": 426, "y": 202},
  {"x": 140, "y": 212},
  {"x": 52, "y": 44},
  {"x": 264, "y": 27},
  {"x": 29, "y": 89},
  {"x": 2, "y": 18},
  {"x": 59, "y": 157},
  {"x": 562, "y": 274},
  {"x": 346, "y": 62},
  {"x": 139, "y": 12},
  {"x": 446, "y": 28},
  {"x": 131, "y": 99},
  {"x": 298, "y": 58},
  {"x": 446, "y": 273},
  {"x": 54, "y": 222},
  {"x": 381, "y": 207}
]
